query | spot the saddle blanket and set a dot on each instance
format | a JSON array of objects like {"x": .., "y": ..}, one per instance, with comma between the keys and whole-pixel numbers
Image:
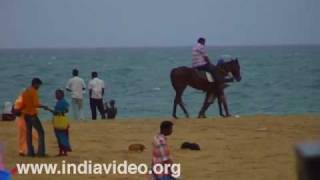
[{"x": 209, "y": 77}]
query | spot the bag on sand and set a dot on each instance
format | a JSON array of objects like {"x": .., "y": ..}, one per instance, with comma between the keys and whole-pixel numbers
[{"x": 60, "y": 122}]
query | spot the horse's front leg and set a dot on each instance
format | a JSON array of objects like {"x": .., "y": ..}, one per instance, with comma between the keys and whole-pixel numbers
[
  {"x": 206, "y": 104},
  {"x": 223, "y": 105},
  {"x": 220, "y": 106}
]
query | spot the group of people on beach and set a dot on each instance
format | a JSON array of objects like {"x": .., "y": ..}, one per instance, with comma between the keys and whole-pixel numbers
[
  {"x": 26, "y": 110},
  {"x": 96, "y": 86},
  {"x": 27, "y": 105}
]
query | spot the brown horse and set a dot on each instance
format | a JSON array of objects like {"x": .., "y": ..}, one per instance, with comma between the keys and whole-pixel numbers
[{"x": 182, "y": 77}]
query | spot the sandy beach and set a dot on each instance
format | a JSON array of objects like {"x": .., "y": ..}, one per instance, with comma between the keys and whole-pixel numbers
[{"x": 254, "y": 147}]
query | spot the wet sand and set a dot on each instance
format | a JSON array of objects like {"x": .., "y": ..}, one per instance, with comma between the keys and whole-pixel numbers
[{"x": 254, "y": 147}]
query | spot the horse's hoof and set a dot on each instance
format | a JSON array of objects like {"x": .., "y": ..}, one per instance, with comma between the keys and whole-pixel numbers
[
  {"x": 174, "y": 117},
  {"x": 202, "y": 116}
]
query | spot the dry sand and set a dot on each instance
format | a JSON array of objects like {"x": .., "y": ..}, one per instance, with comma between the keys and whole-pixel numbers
[{"x": 247, "y": 148}]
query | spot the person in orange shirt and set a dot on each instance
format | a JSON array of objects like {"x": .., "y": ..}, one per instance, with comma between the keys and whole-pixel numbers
[
  {"x": 22, "y": 129},
  {"x": 30, "y": 105}
]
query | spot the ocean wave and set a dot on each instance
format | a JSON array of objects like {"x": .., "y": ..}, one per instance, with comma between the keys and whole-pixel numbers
[{"x": 140, "y": 81}]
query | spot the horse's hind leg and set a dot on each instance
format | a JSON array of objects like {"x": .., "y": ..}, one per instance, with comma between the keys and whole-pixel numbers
[{"x": 174, "y": 112}]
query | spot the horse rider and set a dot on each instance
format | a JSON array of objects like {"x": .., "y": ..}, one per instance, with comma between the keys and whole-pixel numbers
[{"x": 201, "y": 61}]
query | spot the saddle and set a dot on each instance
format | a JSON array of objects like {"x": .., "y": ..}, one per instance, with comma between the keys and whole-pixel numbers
[{"x": 205, "y": 75}]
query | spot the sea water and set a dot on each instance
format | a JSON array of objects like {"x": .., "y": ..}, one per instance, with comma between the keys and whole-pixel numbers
[{"x": 275, "y": 79}]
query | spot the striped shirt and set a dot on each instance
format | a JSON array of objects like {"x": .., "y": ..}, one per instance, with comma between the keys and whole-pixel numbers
[
  {"x": 160, "y": 155},
  {"x": 160, "y": 149},
  {"x": 198, "y": 54}
]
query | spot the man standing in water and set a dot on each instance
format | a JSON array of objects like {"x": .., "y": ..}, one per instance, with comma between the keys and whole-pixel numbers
[
  {"x": 76, "y": 86},
  {"x": 30, "y": 104},
  {"x": 96, "y": 92}
]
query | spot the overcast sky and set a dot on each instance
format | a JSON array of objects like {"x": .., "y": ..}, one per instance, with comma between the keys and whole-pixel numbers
[{"x": 107, "y": 23}]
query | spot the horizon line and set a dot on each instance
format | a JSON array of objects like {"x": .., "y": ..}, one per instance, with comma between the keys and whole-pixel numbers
[{"x": 158, "y": 46}]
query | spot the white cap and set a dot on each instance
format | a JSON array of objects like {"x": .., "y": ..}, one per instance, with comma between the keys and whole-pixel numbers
[{"x": 226, "y": 57}]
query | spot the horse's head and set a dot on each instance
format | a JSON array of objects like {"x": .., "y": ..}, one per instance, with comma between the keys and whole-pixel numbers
[{"x": 233, "y": 67}]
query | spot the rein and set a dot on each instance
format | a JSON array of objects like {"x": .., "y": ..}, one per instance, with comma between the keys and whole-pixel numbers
[{"x": 223, "y": 69}]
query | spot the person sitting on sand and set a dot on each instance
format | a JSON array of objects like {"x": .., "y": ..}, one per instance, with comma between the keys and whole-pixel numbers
[
  {"x": 7, "y": 114},
  {"x": 112, "y": 110},
  {"x": 161, "y": 153},
  {"x": 30, "y": 105},
  {"x": 60, "y": 123},
  {"x": 22, "y": 128}
]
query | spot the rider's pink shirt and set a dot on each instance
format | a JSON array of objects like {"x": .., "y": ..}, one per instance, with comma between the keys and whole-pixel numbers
[{"x": 198, "y": 53}]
